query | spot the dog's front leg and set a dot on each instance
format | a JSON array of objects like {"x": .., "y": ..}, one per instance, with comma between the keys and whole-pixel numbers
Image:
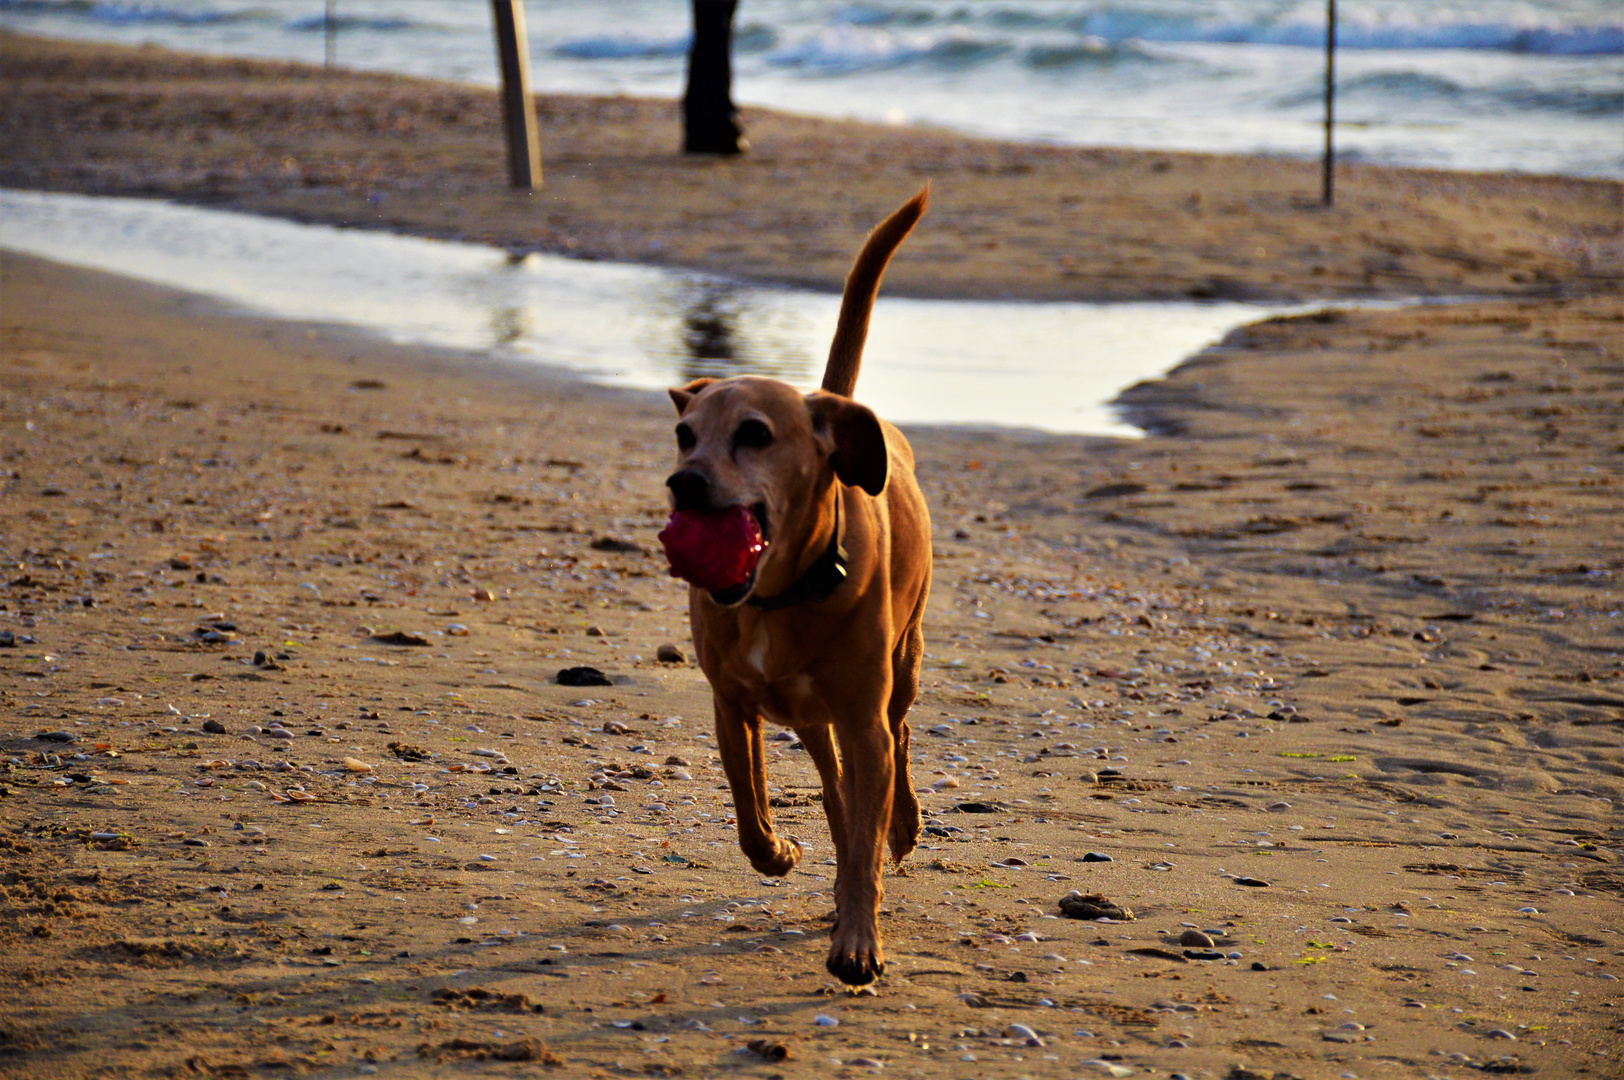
[
  {"x": 738, "y": 738},
  {"x": 855, "y": 955}
]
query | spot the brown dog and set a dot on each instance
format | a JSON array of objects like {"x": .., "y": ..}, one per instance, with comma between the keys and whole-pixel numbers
[{"x": 824, "y": 637}]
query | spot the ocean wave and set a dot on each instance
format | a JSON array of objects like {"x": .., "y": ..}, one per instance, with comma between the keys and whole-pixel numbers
[
  {"x": 846, "y": 48},
  {"x": 352, "y": 22},
  {"x": 1575, "y": 101},
  {"x": 1386, "y": 88},
  {"x": 1089, "y": 52},
  {"x": 133, "y": 12},
  {"x": 1551, "y": 37},
  {"x": 623, "y": 47}
]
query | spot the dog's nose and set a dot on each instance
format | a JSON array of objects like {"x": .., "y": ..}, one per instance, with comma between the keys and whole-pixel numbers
[{"x": 690, "y": 488}]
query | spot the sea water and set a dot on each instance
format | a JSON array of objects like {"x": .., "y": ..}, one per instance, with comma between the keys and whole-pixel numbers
[
  {"x": 1525, "y": 85},
  {"x": 1049, "y": 366}
]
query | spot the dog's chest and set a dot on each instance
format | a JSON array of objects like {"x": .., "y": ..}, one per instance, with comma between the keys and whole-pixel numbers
[{"x": 768, "y": 672}]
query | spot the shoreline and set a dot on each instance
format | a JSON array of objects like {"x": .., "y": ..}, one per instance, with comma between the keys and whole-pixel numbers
[{"x": 1009, "y": 220}]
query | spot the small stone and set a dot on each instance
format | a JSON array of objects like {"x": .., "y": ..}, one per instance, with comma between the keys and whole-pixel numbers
[
  {"x": 582, "y": 676},
  {"x": 457, "y": 629},
  {"x": 670, "y": 654},
  {"x": 1097, "y": 856},
  {"x": 770, "y": 1049},
  {"x": 1502, "y": 1033},
  {"x": 57, "y": 736},
  {"x": 356, "y": 765},
  {"x": 400, "y": 637},
  {"x": 825, "y": 1020},
  {"x": 595, "y": 631},
  {"x": 1019, "y": 1031},
  {"x": 483, "y": 596},
  {"x": 1195, "y": 939},
  {"x": 1276, "y": 807},
  {"x": 214, "y": 727},
  {"x": 279, "y": 733},
  {"x": 1088, "y": 777},
  {"x": 1075, "y": 905},
  {"x": 675, "y": 760},
  {"x": 1256, "y": 883}
]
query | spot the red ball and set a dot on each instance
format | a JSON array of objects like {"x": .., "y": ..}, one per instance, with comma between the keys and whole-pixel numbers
[{"x": 714, "y": 551}]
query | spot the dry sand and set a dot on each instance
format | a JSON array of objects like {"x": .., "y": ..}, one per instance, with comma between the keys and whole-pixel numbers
[{"x": 1348, "y": 624}]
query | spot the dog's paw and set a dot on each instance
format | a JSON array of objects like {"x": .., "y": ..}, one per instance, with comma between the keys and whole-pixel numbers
[
  {"x": 785, "y": 854},
  {"x": 857, "y": 963}
]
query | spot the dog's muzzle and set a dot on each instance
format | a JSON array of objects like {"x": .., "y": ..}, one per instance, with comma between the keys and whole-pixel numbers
[{"x": 690, "y": 490}]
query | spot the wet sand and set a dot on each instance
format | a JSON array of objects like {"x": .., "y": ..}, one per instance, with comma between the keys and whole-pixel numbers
[{"x": 1346, "y": 624}]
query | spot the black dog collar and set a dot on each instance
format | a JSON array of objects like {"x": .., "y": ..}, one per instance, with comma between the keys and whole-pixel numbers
[{"x": 819, "y": 582}]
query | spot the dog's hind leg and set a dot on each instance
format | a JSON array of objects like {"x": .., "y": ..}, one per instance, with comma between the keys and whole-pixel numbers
[
  {"x": 738, "y": 739},
  {"x": 855, "y": 955}
]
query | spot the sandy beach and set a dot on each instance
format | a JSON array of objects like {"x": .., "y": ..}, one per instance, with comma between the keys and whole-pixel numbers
[{"x": 1321, "y": 681}]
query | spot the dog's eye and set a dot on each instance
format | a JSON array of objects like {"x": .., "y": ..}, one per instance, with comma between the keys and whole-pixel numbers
[
  {"x": 753, "y": 433},
  {"x": 685, "y": 437}
]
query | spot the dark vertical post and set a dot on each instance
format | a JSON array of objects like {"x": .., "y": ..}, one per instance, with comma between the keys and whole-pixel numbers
[
  {"x": 710, "y": 123},
  {"x": 330, "y": 26},
  {"x": 1327, "y": 182},
  {"x": 518, "y": 107}
]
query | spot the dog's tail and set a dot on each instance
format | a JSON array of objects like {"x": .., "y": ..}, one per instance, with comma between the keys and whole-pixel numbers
[{"x": 846, "y": 351}]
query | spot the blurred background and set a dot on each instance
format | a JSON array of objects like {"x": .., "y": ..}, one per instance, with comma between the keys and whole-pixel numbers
[{"x": 1523, "y": 85}]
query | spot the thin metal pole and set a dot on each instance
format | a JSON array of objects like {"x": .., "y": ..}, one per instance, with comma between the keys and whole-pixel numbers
[
  {"x": 1327, "y": 181},
  {"x": 331, "y": 28},
  {"x": 518, "y": 106}
]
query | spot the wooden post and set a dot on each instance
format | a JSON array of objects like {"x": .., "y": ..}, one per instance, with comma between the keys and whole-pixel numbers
[
  {"x": 518, "y": 106},
  {"x": 1327, "y": 180},
  {"x": 330, "y": 27}
]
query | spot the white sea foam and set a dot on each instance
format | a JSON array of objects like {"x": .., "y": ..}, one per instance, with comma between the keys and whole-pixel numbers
[{"x": 1530, "y": 85}]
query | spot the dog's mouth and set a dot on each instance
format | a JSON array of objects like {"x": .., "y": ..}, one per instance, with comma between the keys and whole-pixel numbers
[{"x": 737, "y": 594}]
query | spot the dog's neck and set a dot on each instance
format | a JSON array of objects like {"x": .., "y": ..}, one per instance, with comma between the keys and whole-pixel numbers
[{"x": 821, "y": 579}]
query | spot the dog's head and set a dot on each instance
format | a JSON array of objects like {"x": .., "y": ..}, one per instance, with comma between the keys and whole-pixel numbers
[{"x": 760, "y": 444}]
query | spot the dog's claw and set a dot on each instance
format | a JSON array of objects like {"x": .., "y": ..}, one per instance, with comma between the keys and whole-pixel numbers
[{"x": 858, "y": 969}]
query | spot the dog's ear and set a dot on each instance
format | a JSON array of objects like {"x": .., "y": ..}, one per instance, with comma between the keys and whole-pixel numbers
[
  {"x": 858, "y": 455},
  {"x": 682, "y": 395}
]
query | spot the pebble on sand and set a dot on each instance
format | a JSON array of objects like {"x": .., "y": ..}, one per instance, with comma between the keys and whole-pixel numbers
[{"x": 1075, "y": 905}]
